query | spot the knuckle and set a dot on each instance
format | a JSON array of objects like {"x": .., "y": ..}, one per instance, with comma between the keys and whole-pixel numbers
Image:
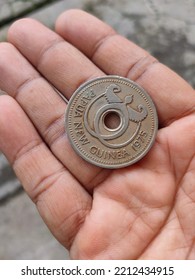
[{"x": 142, "y": 65}]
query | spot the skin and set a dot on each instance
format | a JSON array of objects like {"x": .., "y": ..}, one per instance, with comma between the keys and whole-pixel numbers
[{"x": 145, "y": 211}]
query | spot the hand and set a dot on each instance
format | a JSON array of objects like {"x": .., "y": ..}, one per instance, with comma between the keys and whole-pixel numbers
[{"x": 145, "y": 211}]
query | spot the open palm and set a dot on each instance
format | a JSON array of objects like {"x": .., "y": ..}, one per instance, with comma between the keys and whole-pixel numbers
[{"x": 145, "y": 211}]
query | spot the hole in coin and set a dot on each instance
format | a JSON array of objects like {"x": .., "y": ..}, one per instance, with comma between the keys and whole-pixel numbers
[{"x": 112, "y": 120}]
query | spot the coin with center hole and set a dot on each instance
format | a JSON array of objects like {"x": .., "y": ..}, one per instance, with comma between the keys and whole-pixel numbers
[{"x": 111, "y": 122}]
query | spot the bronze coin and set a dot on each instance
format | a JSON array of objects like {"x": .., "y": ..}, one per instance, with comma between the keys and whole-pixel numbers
[{"x": 111, "y": 122}]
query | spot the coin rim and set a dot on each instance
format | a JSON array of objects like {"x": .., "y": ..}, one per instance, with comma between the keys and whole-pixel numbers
[{"x": 121, "y": 165}]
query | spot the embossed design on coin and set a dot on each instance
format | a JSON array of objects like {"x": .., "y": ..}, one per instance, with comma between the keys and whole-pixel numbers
[{"x": 111, "y": 122}]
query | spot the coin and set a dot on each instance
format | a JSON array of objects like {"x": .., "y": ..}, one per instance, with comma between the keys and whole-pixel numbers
[{"x": 111, "y": 122}]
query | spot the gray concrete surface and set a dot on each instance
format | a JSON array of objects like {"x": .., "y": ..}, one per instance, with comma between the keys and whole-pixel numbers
[
  {"x": 23, "y": 235},
  {"x": 166, "y": 28}
]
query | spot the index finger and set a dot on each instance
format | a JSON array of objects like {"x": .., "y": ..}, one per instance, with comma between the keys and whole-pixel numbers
[{"x": 116, "y": 55}]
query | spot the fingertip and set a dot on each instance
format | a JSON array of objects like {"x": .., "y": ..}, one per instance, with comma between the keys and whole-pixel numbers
[
  {"x": 82, "y": 29},
  {"x": 77, "y": 18},
  {"x": 67, "y": 17},
  {"x": 31, "y": 38},
  {"x": 18, "y": 27}
]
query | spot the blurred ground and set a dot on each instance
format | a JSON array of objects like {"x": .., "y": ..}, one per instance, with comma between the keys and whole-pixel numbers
[{"x": 165, "y": 28}]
